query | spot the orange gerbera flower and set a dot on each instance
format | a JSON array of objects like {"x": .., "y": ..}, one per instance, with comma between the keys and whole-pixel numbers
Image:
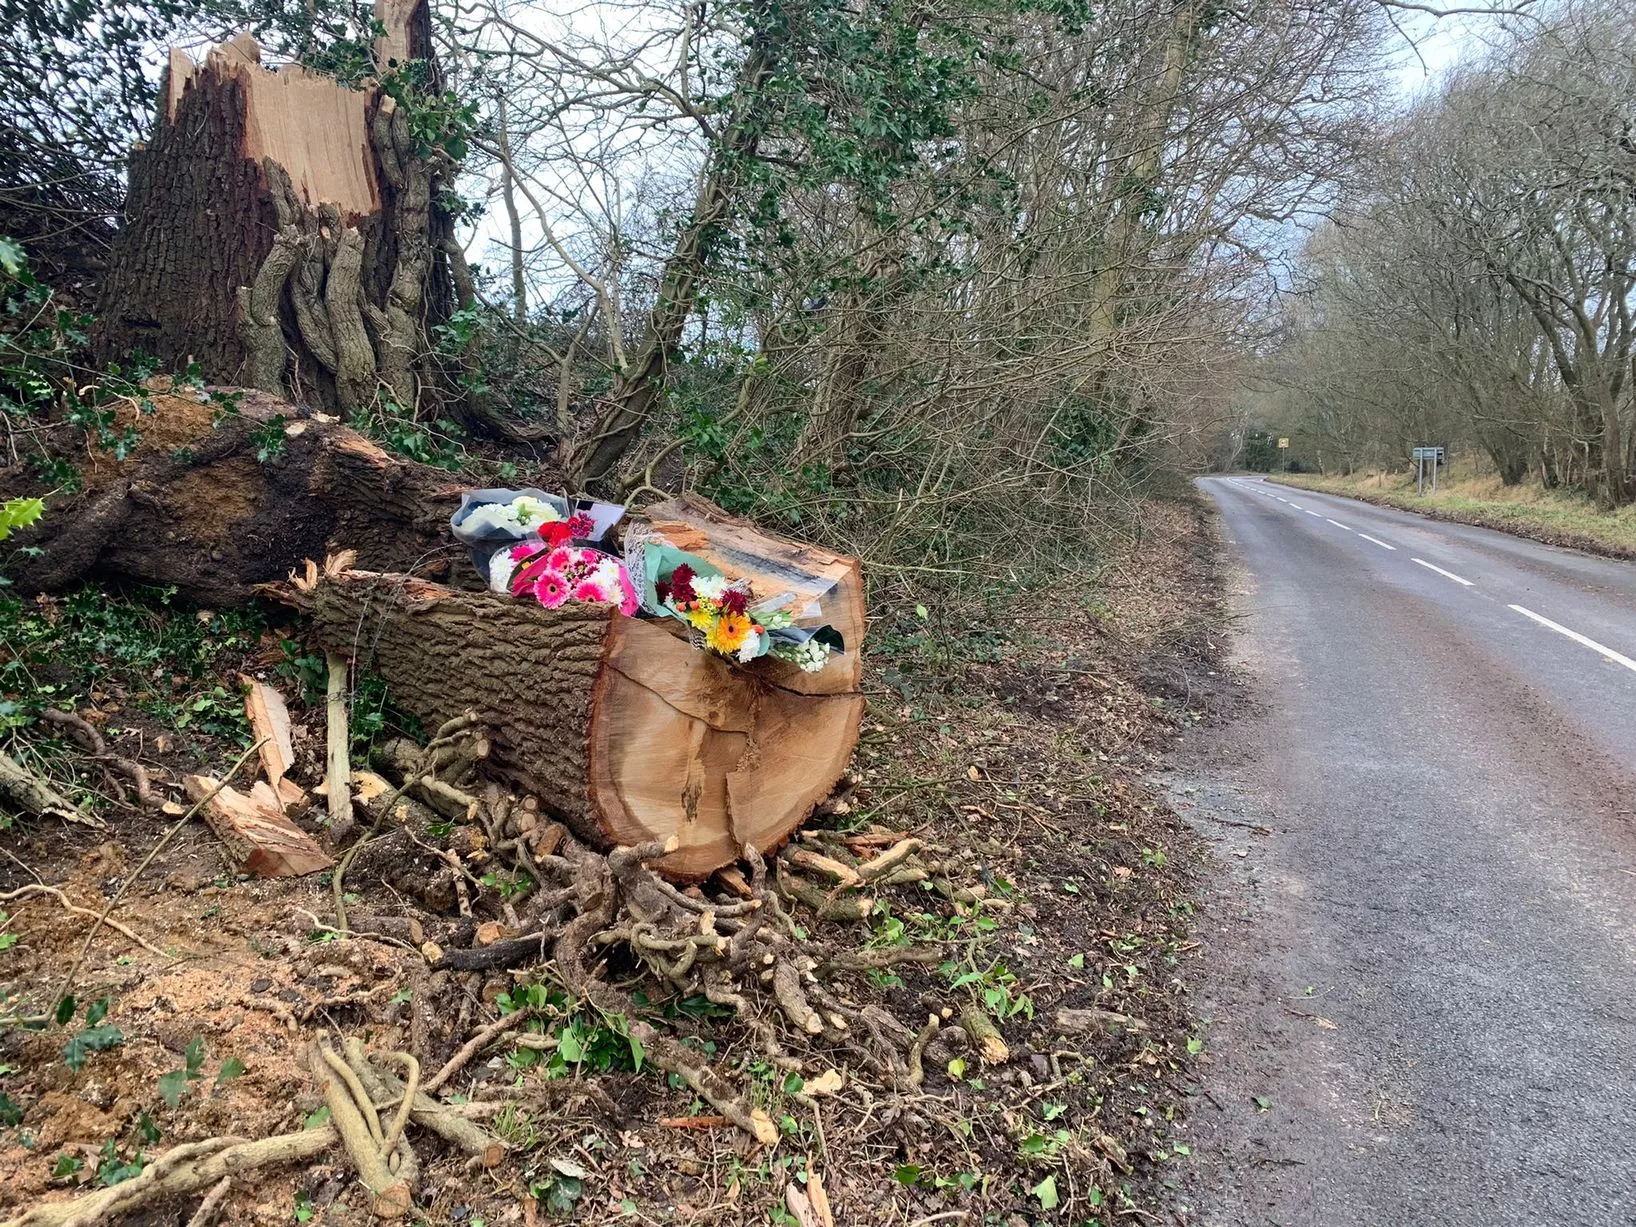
[{"x": 727, "y": 636}]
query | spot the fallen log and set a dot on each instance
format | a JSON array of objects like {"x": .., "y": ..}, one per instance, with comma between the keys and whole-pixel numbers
[
  {"x": 622, "y": 728},
  {"x": 213, "y": 501}
]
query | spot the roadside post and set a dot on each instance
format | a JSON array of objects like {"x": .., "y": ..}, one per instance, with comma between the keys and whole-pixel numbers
[
  {"x": 1421, "y": 455},
  {"x": 1283, "y": 446}
]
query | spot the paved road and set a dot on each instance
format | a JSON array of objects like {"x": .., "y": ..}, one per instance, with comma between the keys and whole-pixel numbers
[{"x": 1427, "y": 964}]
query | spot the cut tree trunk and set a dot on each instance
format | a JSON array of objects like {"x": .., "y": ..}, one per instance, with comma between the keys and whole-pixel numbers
[
  {"x": 283, "y": 231},
  {"x": 619, "y": 725},
  {"x": 216, "y": 509}
]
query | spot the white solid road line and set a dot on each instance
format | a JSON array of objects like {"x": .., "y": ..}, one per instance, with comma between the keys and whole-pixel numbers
[
  {"x": 1443, "y": 573},
  {"x": 1377, "y": 541},
  {"x": 1618, "y": 658},
  {"x": 1338, "y": 524}
]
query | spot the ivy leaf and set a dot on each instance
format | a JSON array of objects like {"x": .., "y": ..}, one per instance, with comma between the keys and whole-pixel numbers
[
  {"x": 194, "y": 1055},
  {"x": 1046, "y": 1191},
  {"x": 231, "y": 1068},
  {"x": 172, "y": 1086},
  {"x": 77, "y": 1051}
]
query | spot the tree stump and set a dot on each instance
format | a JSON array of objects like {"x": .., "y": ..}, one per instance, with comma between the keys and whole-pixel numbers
[
  {"x": 619, "y": 725},
  {"x": 284, "y": 230}
]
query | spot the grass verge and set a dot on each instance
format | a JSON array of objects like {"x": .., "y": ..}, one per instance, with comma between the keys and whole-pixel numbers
[{"x": 1553, "y": 517}]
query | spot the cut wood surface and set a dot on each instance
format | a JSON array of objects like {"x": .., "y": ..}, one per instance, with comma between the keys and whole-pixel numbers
[
  {"x": 270, "y": 721},
  {"x": 255, "y": 832},
  {"x": 619, "y": 725}
]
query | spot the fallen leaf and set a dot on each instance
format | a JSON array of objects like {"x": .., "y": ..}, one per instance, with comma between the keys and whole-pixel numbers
[{"x": 826, "y": 1083}]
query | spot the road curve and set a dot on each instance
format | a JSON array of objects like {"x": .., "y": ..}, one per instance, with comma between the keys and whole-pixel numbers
[{"x": 1423, "y": 1009}]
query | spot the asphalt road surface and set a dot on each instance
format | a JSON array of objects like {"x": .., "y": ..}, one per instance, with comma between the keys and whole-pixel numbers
[{"x": 1424, "y": 1003}]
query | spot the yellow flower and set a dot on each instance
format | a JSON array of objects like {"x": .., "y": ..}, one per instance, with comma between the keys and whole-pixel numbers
[
  {"x": 699, "y": 618},
  {"x": 728, "y": 634}
]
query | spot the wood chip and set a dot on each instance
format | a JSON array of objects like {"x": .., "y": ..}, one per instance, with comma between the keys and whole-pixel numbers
[
  {"x": 257, "y": 835},
  {"x": 800, "y": 1206},
  {"x": 818, "y": 1197},
  {"x": 270, "y": 718}
]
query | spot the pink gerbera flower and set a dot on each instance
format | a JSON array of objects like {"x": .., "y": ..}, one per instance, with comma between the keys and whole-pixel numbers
[
  {"x": 559, "y": 558},
  {"x": 590, "y": 591},
  {"x": 551, "y": 590}
]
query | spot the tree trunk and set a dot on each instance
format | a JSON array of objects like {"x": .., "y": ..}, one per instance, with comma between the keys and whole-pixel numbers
[
  {"x": 618, "y": 725},
  {"x": 282, "y": 232},
  {"x": 195, "y": 508}
]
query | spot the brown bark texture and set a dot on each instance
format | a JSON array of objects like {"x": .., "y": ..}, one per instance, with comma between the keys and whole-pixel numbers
[
  {"x": 282, "y": 232},
  {"x": 195, "y": 508}
]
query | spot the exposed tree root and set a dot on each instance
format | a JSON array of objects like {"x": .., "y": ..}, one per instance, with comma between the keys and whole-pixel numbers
[
  {"x": 739, "y": 948},
  {"x": 180, "y": 1171},
  {"x": 23, "y": 792}
]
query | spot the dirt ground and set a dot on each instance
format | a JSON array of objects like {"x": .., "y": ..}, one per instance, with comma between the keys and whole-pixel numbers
[{"x": 1025, "y": 759}]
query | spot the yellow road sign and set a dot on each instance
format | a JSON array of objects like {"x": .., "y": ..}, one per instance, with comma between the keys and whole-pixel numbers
[{"x": 1283, "y": 442}]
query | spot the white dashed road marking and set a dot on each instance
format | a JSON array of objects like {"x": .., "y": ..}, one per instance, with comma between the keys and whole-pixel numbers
[
  {"x": 1377, "y": 541},
  {"x": 1445, "y": 574},
  {"x": 1618, "y": 658},
  {"x": 1338, "y": 524}
]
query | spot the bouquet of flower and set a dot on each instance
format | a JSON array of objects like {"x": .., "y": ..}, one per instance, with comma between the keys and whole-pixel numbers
[
  {"x": 554, "y": 575},
  {"x": 716, "y": 608},
  {"x": 726, "y": 615}
]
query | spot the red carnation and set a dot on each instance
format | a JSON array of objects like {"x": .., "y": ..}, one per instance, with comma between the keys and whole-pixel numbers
[
  {"x": 580, "y": 525},
  {"x": 681, "y": 584},
  {"x": 556, "y": 533},
  {"x": 735, "y": 601}
]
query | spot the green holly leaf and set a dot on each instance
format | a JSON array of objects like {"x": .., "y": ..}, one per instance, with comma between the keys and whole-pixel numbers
[
  {"x": 65, "y": 1010},
  {"x": 19, "y": 513}
]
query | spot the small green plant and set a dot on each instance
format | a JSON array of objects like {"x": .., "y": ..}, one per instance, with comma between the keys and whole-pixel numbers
[
  {"x": 303, "y": 1208},
  {"x": 112, "y": 1169},
  {"x": 67, "y": 1167},
  {"x": 510, "y": 885},
  {"x": 173, "y": 1085},
  {"x": 559, "y": 1189},
  {"x": 269, "y": 439},
  {"x": 95, "y": 1036}
]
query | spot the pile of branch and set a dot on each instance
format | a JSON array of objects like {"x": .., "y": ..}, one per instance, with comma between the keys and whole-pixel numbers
[{"x": 733, "y": 941}]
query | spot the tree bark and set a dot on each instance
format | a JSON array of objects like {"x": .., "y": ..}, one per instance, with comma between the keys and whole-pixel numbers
[
  {"x": 620, "y": 727},
  {"x": 193, "y": 508},
  {"x": 283, "y": 232}
]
